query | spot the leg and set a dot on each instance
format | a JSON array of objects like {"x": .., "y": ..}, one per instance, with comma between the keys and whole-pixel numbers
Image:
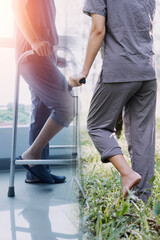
[
  {"x": 106, "y": 105},
  {"x": 139, "y": 120},
  {"x": 130, "y": 178},
  {"x": 52, "y": 89},
  {"x": 49, "y": 130},
  {"x": 40, "y": 114}
]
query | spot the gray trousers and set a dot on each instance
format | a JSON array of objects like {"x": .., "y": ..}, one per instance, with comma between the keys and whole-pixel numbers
[
  {"x": 138, "y": 101},
  {"x": 50, "y": 86},
  {"x": 50, "y": 97}
]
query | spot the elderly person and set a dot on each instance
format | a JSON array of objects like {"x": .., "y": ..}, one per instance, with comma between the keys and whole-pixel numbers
[{"x": 127, "y": 81}]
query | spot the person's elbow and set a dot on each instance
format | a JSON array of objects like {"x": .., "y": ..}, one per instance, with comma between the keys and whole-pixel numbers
[
  {"x": 99, "y": 31},
  {"x": 98, "y": 25}
]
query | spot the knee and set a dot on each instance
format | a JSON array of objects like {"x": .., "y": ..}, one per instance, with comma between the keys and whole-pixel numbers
[
  {"x": 70, "y": 111},
  {"x": 63, "y": 116}
]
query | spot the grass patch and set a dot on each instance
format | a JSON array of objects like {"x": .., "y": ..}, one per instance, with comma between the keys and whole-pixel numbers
[{"x": 102, "y": 185}]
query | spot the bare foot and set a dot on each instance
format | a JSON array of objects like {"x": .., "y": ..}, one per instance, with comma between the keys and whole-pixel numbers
[
  {"x": 29, "y": 155},
  {"x": 130, "y": 181}
]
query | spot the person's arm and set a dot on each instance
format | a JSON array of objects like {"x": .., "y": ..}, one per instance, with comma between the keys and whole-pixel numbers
[
  {"x": 152, "y": 27},
  {"x": 95, "y": 40},
  {"x": 42, "y": 48}
]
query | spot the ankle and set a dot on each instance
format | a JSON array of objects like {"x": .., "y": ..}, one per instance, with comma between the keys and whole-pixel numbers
[
  {"x": 127, "y": 173},
  {"x": 33, "y": 151}
]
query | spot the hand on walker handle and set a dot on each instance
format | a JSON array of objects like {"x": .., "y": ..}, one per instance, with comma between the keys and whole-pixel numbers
[
  {"x": 83, "y": 80},
  {"x": 42, "y": 48},
  {"x": 78, "y": 80}
]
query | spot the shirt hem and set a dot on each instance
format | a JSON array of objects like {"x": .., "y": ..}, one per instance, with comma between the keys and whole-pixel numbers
[
  {"x": 89, "y": 12},
  {"x": 126, "y": 80}
]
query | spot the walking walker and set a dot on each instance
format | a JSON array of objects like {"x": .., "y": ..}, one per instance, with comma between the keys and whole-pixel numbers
[{"x": 75, "y": 146}]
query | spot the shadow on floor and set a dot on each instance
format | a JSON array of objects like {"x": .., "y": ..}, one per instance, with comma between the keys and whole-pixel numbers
[{"x": 39, "y": 211}]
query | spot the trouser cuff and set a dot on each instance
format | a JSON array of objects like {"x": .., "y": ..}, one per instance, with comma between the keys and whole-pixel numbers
[{"x": 110, "y": 153}]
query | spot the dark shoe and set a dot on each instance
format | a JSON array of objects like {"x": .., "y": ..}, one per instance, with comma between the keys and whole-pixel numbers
[
  {"x": 58, "y": 179},
  {"x": 40, "y": 172},
  {"x": 30, "y": 178}
]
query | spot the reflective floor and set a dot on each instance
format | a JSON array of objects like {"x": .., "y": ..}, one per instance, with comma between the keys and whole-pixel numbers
[{"x": 39, "y": 211}]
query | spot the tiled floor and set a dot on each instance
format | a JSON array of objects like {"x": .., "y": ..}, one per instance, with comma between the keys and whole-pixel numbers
[{"x": 39, "y": 211}]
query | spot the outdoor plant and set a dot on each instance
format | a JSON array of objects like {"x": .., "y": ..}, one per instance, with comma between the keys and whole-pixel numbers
[{"x": 105, "y": 219}]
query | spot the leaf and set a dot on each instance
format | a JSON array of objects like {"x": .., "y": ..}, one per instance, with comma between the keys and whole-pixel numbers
[
  {"x": 99, "y": 184},
  {"x": 116, "y": 232},
  {"x": 93, "y": 169},
  {"x": 146, "y": 223},
  {"x": 107, "y": 231},
  {"x": 124, "y": 210},
  {"x": 157, "y": 209},
  {"x": 152, "y": 179},
  {"x": 87, "y": 217}
]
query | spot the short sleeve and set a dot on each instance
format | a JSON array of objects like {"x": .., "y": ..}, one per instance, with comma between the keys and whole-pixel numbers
[{"x": 95, "y": 6}]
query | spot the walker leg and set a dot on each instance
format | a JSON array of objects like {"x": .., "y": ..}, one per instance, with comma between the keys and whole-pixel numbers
[{"x": 11, "y": 192}]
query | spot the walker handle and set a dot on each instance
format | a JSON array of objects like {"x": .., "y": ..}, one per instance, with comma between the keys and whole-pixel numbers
[{"x": 83, "y": 81}]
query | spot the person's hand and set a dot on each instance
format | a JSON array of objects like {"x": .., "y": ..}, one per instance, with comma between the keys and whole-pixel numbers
[
  {"x": 42, "y": 48},
  {"x": 75, "y": 82},
  {"x": 61, "y": 62}
]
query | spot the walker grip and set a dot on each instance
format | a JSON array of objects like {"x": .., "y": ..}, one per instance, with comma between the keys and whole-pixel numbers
[{"x": 83, "y": 81}]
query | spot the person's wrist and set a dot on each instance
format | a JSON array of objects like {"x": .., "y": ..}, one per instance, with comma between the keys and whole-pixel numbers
[{"x": 84, "y": 73}]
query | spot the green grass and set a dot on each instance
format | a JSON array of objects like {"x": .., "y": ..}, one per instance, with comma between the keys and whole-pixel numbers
[{"x": 102, "y": 185}]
